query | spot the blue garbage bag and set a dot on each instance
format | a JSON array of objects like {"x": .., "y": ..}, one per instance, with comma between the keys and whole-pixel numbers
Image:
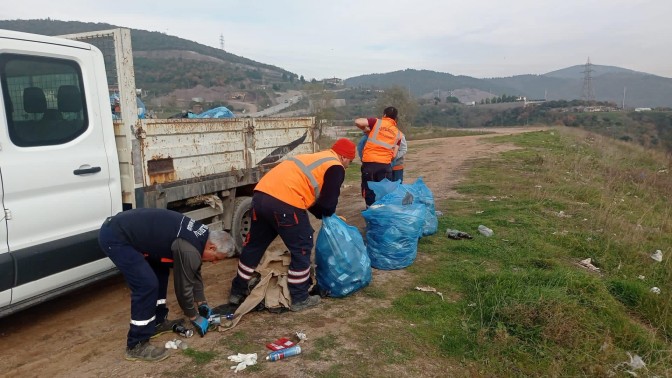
[
  {"x": 384, "y": 187},
  {"x": 393, "y": 227},
  {"x": 219, "y": 112},
  {"x": 422, "y": 194},
  {"x": 343, "y": 264}
]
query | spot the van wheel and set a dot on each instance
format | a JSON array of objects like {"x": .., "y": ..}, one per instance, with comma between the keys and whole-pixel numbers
[{"x": 242, "y": 220}]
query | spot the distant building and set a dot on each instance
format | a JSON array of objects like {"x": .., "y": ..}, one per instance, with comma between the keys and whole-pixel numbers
[
  {"x": 642, "y": 109},
  {"x": 333, "y": 81}
]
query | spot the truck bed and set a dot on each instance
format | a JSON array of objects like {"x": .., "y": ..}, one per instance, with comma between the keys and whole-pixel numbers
[{"x": 168, "y": 153}]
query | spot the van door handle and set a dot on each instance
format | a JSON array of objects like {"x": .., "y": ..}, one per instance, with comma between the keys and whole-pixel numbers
[{"x": 83, "y": 171}]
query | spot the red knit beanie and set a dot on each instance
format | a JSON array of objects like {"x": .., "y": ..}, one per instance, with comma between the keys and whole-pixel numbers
[{"x": 344, "y": 147}]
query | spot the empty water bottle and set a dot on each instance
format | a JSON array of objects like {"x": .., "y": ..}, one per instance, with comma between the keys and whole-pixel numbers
[
  {"x": 284, "y": 353},
  {"x": 485, "y": 231}
]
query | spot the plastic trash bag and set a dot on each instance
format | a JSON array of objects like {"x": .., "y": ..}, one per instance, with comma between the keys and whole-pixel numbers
[
  {"x": 383, "y": 188},
  {"x": 343, "y": 265},
  {"x": 424, "y": 196},
  {"x": 393, "y": 227},
  {"x": 219, "y": 112}
]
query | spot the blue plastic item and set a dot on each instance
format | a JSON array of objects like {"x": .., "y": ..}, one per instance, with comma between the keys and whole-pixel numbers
[
  {"x": 219, "y": 112},
  {"x": 393, "y": 227},
  {"x": 343, "y": 265},
  {"x": 424, "y": 196},
  {"x": 384, "y": 187}
]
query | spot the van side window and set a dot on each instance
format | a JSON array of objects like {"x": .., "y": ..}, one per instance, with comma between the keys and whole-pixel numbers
[{"x": 44, "y": 98}]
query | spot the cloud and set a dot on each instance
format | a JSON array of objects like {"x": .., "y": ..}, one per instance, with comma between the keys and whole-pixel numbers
[{"x": 486, "y": 38}]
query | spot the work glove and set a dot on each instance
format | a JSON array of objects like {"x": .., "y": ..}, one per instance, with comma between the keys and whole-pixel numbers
[
  {"x": 204, "y": 310},
  {"x": 201, "y": 324}
]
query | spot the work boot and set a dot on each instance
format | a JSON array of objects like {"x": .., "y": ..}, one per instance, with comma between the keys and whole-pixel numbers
[
  {"x": 311, "y": 301},
  {"x": 144, "y": 351},
  {"x": 166, "y": 326},
  {"x": 236, "y": 299}
]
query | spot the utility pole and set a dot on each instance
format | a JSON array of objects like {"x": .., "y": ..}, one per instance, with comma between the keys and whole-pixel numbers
[
  {"x": 221, "y": 42},
  {"x": 623, "y": 107}
]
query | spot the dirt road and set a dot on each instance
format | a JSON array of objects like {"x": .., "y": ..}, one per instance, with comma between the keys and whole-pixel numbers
[{"x": 83, "y": 334}]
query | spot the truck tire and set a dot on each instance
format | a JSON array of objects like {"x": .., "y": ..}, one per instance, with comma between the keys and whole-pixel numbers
[{"x": 242, "y": 219}]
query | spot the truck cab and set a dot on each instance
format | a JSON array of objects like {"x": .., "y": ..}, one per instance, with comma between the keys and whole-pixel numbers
[{"x": 58, "y": 167}]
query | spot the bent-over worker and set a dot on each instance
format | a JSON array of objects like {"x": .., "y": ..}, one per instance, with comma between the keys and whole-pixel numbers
[
  {"x": 280, "y": 205},
  {"x": 144, "y": 244}
]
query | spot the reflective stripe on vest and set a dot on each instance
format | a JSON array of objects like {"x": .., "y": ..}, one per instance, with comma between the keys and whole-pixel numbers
[
  {"x": 377, "y": 150},
  {"x": 308, "y": 171},
  {"x": 297, "y": 181}
]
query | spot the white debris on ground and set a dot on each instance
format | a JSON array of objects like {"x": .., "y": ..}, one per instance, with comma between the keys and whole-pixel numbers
[
  {"x": 176, "y": 344},
  {"x": 658, "y": 255},
  {"x": 243, "y": 360},
  {"x": 301, "y": 336},
  {"x": 587, "y": 263},
  {"x": 429, "y": 289},
  {"x": 655, "y": 290}
]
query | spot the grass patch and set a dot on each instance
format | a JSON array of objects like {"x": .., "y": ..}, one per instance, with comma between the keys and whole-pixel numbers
[
  {"x": 199, "y": 357},
  {"x": 521, "y": 303}
]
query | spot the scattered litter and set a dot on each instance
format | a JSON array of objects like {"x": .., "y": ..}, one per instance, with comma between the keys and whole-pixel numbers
[
  {"x": 655, "y": 290},
  {"x": 485, "y": 231},
  {"x": 438, "y": 213},
  {"x": 563, "y": 233},
  {"x": 243, "y": 360},
  {"x": 346, "y": 186},
  {"x": 658, "y": 255},
  {"x": 562, "y": 214},
  {"x": 587, "y": 263},
  {"x": 284, "y": 353},
  {"x": 176, "y": 344},
  {"x": 479, "y": 212},
  {"x": 538, "y": 186},
  {"x": 280, "y": 343},
  {"x": 429, "y": 289},
  {"x": 301, "y": 336},
  {"x": 641, "y": 277},
  {"x": 472, "y": 304},
  {"x": 636, "y": 362},
  {"x": 457, "y": 234}
]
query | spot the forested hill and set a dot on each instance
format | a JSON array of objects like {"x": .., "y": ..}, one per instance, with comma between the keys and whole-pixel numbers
[{"x": 159, "y": 64}]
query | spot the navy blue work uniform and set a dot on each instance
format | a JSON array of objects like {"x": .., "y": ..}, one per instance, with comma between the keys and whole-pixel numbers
[{"x": 144, "y": 244}]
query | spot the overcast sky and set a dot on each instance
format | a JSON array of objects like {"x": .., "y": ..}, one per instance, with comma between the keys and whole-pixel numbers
[{"x": 322, "y": 39}]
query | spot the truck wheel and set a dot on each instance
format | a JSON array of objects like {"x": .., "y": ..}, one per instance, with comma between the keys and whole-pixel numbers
[{"x": 242, "y": 220}]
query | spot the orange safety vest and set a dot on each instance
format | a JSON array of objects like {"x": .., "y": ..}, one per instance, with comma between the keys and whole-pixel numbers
[
  {"x": 379, "y": 148},
  {"x": 298, "y": 180}
]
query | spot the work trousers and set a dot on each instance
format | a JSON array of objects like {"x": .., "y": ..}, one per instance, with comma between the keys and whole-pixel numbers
[
  {"x": 373, "y": 172},
  {"x": 270, "y": 218},
  {"x": 147, "y": 280}
]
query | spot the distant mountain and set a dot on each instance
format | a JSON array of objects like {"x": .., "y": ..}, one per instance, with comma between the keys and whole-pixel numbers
[{"x": 608, "y": 82}]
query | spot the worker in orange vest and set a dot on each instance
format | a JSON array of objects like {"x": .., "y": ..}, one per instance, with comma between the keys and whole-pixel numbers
[
  {"x": 280, "y": 205},
  {"x": 398, "y": 162},
  {"x": 380, "y": 149}
]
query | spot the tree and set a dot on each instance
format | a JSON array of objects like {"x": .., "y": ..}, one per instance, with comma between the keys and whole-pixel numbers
[{"x": 405, "y": 104}]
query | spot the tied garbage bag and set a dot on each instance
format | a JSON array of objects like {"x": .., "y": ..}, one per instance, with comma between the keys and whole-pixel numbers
[
  {"x": 393, "y": 227},
  {"x": 383, "y": 187},
  {"x": 343, "y": 265},
  {"x": 424, "y": 196}
]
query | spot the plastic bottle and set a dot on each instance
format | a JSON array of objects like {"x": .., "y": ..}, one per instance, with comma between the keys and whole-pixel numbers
[
  {"x": 182, "y": 330},
  {"x": 485, "y": 231},
  {"x": 284, "y": 353}
]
